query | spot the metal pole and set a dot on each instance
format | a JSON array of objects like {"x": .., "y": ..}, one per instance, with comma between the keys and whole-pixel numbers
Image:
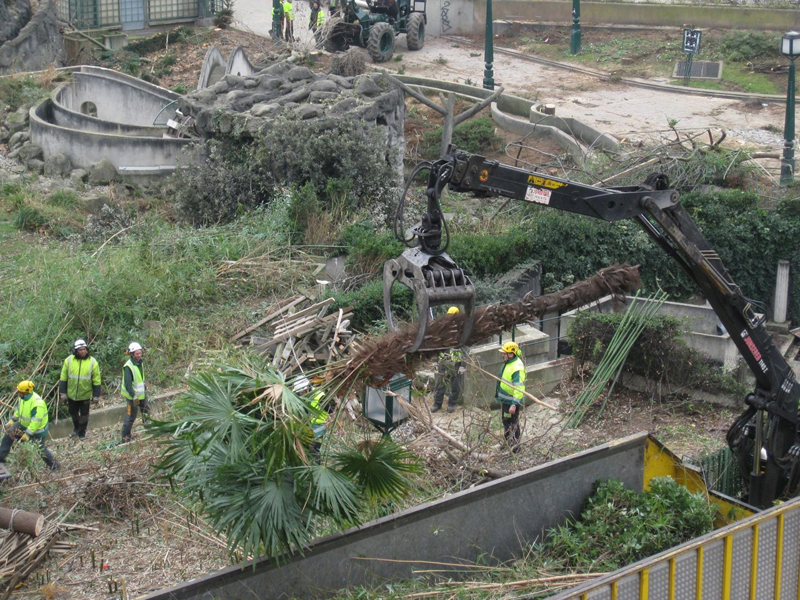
[
  {"x": 787, "y": 164},
  {"x": 488, "y": 72},
  {"x": 575, "y": 38},
  {"x": 277, "y": 16}
]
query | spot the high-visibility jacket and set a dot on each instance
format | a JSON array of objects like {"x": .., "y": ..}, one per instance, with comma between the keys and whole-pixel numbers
[
  {"x": 137, "y": 381},
  {"x": 320, "y": 18},
  {"x": 513, "y": 372},
  {"x": 80, "y": 378},
  {"x": 288, "y": 10},
  {"x": 453, "y": 355},
  {"x": 31, "y": 413},
  {"x": 316, "y": 403}
]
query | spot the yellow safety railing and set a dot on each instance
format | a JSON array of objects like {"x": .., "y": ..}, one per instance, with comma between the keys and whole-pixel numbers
[{"x": 767, "y": 545}]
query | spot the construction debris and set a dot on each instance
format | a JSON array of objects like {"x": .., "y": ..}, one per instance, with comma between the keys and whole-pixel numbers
[
  {"x": 297, "y": 335},
  {"x": 377, "y": 360}
]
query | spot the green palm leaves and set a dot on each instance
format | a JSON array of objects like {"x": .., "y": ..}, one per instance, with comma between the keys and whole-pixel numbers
[{"x": 242, "y": 449}]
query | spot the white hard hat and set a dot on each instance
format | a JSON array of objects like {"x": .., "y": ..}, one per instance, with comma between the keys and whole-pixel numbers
[
  {"x": 80, "y": 344},
  {"x": 133, "y": 347},
  {"x": 301, "y": 385}
]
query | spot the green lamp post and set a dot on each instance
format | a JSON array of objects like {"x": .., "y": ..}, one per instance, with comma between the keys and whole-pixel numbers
[
  {"x": 575, "y": 37},
  {"x": 381, "y": 405},
  {"x": 790, "y": 48},
  {"x": 488, "y": 72},
  {"x": 277, "y": 15}
]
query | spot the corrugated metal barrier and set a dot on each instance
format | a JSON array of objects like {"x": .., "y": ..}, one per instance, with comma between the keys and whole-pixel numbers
[{"x": 754, "y": 559}]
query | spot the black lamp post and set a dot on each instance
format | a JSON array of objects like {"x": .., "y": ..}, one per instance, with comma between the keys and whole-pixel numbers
[
  {"x": 488, "y": 72},
  {"x": 790, "y": 48},
  {"x": 381, "y": 407}
]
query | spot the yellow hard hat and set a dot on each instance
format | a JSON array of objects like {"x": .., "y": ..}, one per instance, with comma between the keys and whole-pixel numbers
[
  {"x": 453, "y": 310},
  {"x": 26, "y": 387},
  {"x": 510, "y": 348}
]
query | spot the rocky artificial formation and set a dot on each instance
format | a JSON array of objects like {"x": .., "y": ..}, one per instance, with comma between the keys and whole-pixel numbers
[
  {"x": 13, "y": 16},
  {"x": 35, "y": 46},
  {"x": 249, "y": 104}
]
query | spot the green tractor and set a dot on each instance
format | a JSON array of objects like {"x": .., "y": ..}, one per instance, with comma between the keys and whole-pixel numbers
[{"x": 373, "y": 24}]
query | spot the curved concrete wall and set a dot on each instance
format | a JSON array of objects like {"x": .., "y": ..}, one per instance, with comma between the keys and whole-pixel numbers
[
  {"x": 239, "y": 65},
  {"x": 213, "y": 68},
  {"x": 63, "y": 117},
  {"x": 115, "y": 100},
  {"x": 86, "y": 147}
]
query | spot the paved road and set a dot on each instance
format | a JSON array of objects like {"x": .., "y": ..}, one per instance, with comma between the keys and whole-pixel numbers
[{"x": 256, "y": 16}]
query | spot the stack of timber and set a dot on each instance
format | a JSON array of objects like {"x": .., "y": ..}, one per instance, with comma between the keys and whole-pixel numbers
[
  {"x": 297, "y": 335},
  {"x": 26, "y": 546}
]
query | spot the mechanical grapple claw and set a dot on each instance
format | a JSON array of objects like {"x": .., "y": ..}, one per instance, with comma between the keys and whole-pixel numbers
[{"x": 435, "y": 280}]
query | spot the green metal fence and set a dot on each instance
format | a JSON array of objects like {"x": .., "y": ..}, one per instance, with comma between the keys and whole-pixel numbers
[
  {"x": 107, "y": 14},
  {"x": 721, "y": 473}
]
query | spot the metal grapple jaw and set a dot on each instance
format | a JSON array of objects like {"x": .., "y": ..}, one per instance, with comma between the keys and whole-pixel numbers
[{"x": 435, "y": 280}]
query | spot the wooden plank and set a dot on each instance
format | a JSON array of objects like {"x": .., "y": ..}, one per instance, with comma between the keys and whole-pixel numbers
[
  {"x": 293, "y": 323},
  {"x": 299, "y": 330},
  {"x": 308, "y": 310},
  {"x": 292, "y": 302}
]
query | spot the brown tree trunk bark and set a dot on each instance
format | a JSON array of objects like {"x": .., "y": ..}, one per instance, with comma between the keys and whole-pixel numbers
[{"x": 21, "y": 521}]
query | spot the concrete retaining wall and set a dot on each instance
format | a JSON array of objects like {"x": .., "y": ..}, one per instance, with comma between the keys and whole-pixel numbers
[
  {"x": 494, "y": 520},
  {"x": 454, "y": 17},
  {"x": 38, "y": 44}
]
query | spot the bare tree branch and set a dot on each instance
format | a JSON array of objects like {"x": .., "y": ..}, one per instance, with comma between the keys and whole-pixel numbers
[{"x": 472, "y": 111}]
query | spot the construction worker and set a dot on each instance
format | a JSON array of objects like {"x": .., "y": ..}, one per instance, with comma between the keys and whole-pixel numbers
[
  {"x": 79, "y": 384},
  {"x": 509, "y": 392},
  {"x": 449, "y": 375},
  {"x": 319, "y": 421},
  {"x": 288, "y": 21},
  {"x": 277, "y": 19},
  {"x": 333, "y": 8},
  {"x": 29, "y": 422},
  {"x": 317, "y": 19},
  {"x": 133, "y": 389}
]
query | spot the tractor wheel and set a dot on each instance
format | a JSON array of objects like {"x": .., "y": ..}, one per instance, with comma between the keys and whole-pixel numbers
[
  {"x": 336, "y": 41},
  {"x": 381, "y": 42},
  {"x": 415, "y": 36}
]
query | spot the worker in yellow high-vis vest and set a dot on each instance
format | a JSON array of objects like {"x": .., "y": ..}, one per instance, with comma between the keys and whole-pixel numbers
[
  {"x": 133, "y": 389},
  {"x": 510, "y": 392},
  {"x": 79, "y": 384},
  {"x": 288, "y": 21},
  {"x": 28, "y": 423}
]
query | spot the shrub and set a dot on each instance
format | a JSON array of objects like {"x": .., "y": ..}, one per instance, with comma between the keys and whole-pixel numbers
[
  {"x": 367, "y": 247},
  {"x": 367, "y": 303},
  {"x": 618, "y": 527},
  {"x": 63, "y": 199},
  {"x": 225, "y": 178},
  {"x": 16, "y": 92},
  {"x": 476, "y": 135},
  {"x": 350, "y": 63},
  {"x": 743, "y": 46},
  {"x": 29, "y": 218},
  {"x": 224, "y": 16}
]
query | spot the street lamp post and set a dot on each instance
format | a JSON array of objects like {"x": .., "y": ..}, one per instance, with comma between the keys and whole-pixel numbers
[
  {"x": 488, "y": 72},
  {"x": 790, "y": 48},
  {"x": 575, "y": 38}
]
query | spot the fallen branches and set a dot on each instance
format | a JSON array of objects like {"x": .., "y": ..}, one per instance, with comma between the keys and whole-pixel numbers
[{"x": 377, "y": 360}]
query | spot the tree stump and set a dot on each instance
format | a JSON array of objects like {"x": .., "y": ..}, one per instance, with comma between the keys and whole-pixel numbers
[{"x": 21, "y": 521}]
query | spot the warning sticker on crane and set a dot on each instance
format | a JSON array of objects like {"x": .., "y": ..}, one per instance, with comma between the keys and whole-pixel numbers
[{"x": 536, "y": 195}]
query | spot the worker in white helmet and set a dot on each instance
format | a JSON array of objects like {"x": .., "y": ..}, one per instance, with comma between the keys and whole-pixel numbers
[{"x": 133, "y": 389}]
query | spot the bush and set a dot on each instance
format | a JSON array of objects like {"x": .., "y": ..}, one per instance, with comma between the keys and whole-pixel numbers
[
  {"x": 350, "y": 63},
  {"x": 659, "y": 353},
  {"x": 618, "y": 527},
  {"x": 367, "y": 303},
  {"x": 475, "y": 135},
  {"x": 224, "y": 179},
  {"x": 744, "y": 46},
  {"x": 29, "y": 218}
]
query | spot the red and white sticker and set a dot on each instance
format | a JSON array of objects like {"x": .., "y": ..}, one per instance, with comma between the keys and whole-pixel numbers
[{"x": 540, "y": 196}]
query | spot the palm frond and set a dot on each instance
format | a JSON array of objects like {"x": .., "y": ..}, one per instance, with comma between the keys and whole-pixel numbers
[{"x": 381, "y": 469}]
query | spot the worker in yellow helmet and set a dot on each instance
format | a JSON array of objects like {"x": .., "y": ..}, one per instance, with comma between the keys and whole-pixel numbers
[
  {"x": 449, "y": 374},
  {"x": 510, "y": 392},
  {"x": 29, "y": 422}
]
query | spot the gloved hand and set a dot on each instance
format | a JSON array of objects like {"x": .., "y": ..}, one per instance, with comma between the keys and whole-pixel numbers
[
  {"x": 462, "y": 370},
  {"x": 794, "y": 452},
  {"x": 512, "y": 409},
  {"x": 25, "y": 437}
]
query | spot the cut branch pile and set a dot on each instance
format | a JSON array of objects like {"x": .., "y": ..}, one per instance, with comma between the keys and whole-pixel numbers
[
  {"x": 377, "y": 360},
  {"x": 297, "y": 334},
  {"x": 21, "y": 554}
]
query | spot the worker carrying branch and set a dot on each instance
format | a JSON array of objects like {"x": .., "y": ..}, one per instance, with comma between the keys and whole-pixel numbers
[{"x": 449, "y": 375}]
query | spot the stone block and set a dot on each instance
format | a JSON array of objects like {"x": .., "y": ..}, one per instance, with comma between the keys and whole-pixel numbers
[
  {"x": 57, "y": 165},
  {"x": 102, "y": 172}
]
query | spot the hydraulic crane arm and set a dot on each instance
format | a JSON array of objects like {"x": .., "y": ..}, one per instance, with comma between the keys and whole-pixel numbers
[{"x": 771, "y": 419}]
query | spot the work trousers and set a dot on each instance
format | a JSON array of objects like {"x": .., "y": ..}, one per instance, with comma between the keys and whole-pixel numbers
[
  {"x": 39, "y": 438},
  {"x": 448, "y": 381},
  {"x": 79, "y": 411},
  {"x": 288, "y": 30},
  {"x": 511, "y": 429},
  {"x": 130, "y": 416}
]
